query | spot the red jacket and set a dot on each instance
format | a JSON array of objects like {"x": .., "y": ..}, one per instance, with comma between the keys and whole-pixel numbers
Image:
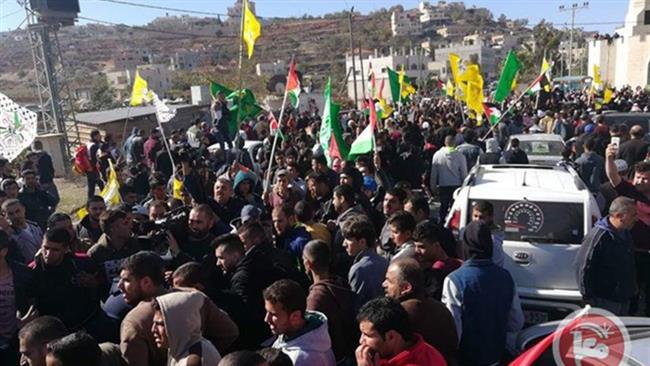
[{"x": 421, "y": 354}]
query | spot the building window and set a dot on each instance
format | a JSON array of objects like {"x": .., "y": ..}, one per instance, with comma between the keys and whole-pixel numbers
[{"x": 646, "y": 18}]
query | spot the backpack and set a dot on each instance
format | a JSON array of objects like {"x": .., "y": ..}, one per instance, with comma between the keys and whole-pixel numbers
[{"x": 82, "y": 163}]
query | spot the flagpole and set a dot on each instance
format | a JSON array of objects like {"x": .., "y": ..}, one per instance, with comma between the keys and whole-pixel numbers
[
  {"x": 126, "y": 121},
  {"x": 506, "y": 112},
  {"x": 267, "y": 181},
  {"x": 166, "y": 143},
  {"x": 241, "y": 60}
]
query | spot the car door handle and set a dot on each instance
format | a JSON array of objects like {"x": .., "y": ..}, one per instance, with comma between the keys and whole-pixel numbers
[{"x": 521, "y": 257}]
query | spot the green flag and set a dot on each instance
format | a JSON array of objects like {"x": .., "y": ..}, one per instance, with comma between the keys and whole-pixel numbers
[
  {"x": 216, "y": 88},
  {"x": 393, "y": 81},
  {"x": 508, "y": 74},
  {"x": 248, "y": 105},
  {"x": 331, "y": 134}
]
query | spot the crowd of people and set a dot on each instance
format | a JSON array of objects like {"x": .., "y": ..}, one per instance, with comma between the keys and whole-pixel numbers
[{"x": 219, "y": 255}]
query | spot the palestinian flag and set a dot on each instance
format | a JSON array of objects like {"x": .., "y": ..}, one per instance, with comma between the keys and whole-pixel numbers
[
  {"x": 365, "y": 142},
  {"x": 541, "y": 83},
  {"x": 293, "y": 85},
  {"x": 492, "y": 113},
  {"x": 274, "y": 126},
  {"x": 331, "y": 134}
]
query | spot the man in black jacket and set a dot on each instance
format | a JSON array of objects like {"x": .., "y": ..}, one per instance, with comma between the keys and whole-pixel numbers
[
  {"x": 605, "y": 261},
  {"x": 65, "y": 285},
  {"x": 38, "y": 203},
  {"x": 252, "y": 266},
  {"x": 515, "y": 155}
]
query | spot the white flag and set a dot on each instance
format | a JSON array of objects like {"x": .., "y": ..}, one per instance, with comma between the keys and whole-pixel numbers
[
  {"x": 17, "y": 128},
  {"x": 163, "y": 112}
]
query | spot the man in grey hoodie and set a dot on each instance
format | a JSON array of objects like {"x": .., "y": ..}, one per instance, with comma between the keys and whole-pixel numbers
[
  {"x": 448, "y": 169},
  {"x": 299, "y": 333},
  {"x": 177, "y": 327}
]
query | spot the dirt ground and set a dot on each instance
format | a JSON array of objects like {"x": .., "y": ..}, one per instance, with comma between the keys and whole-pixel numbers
[{"x": 72, "y": 192}]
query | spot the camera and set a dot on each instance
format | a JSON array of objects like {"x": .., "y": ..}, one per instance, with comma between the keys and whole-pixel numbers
[{"x": 153, "y": 234}]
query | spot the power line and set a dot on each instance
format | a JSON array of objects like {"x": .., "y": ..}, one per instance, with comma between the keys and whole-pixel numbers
[
  {"x": 12, "y": 13},
  {"x": 165, "y": 8},
  {"x": 145, "y": 29}
]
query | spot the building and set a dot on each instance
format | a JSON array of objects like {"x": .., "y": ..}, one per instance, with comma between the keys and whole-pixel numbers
[
  {"x": 120, "y": 81},
  {"x": 433, "y": 15},
  {"x": 406, "y": 23},
  {"x": 475, "y": 51},
  {"x": 184, "y": 60},
  {"x": 271, "y": 69},
  {"x": 624, "y": 59},
  {"x": 129, "y": 58},
  {"x": 157, "y": 76},
  {"x": 415, "y": 63},
  {"x": 114, "y": 121}
]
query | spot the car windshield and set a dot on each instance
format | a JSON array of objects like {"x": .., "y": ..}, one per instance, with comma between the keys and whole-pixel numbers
[
  {"x": 550, "y": 148},
  {"x": 539, "y": 222}
]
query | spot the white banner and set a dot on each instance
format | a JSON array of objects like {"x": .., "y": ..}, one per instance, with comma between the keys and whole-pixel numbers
[
  {"x": 17, "y": 128},
  {"x": 163, "y": 112}
]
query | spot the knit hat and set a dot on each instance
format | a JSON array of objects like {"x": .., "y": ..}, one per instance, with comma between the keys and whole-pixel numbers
[{"x": 478, "y": 240}]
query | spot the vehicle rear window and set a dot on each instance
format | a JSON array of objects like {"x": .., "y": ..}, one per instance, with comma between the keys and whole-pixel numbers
[
  {"x": 552, "y": 148},
  {"x": 541, "y": 222}
]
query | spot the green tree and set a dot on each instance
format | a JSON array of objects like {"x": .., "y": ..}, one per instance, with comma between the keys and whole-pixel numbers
[{"x": 102, "y": 95}]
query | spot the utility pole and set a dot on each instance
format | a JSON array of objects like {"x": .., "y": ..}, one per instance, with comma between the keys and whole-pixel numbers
[
  {"x": 573, "y": 8},
  {"x": 354, "y": 67},
  {"x": 363, "y": 76}
]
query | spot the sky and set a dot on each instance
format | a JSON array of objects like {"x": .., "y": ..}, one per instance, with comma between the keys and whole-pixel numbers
[{"x": 602, "y": 15}]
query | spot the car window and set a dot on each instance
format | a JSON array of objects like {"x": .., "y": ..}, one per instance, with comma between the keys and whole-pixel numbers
[
  {"x": 551, "y": 148},
  {"x": 539, "y": 222}
]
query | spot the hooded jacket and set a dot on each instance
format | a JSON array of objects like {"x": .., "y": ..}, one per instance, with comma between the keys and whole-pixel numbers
[
  {"x": 448, "y": 168},
  {"x": 334, "y": 298},
  {"x": 605, "y": 263},
  {"x": 182, "y": 318},
  {"x": 492, "y": 153},
  {"x": 312, "y": 345}
]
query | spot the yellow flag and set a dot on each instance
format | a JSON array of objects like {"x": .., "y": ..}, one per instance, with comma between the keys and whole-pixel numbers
[
  {"x": 405, "y": 87},
  {"x": 597, "y": 79},
  {"x": 386, "y": 109},
  {"x": 545, "y": 66},
  {"x": 177, "y": 191},
  {"x": 110, "y": 193},
  {"x": 514, "y": 84},
  {"x": 607, "y": 96},
  {"x": 140, "y": 93},
  {"x": 252, "y": 29},
  {"x": 472, "y": 74},
  {"x": 454, "y": 62},
  {"x": 474, "y": 97},
  {"x": 450, "y": 88}
]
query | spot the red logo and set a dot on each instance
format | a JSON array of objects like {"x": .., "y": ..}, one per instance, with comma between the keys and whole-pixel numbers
[{"x": 593, "y": 338}]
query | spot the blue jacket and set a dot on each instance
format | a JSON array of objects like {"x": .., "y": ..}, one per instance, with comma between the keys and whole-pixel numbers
[
  {"x": 293, "y": 241},
  {"x": 591, "y": 168},
  {"x": 605, "y": 263},
  {"x": 366, "y": 276},
  {"x": 482, "y": 299}
]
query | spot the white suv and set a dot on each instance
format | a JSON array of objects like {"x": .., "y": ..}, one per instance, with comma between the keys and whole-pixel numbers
[{"x": 544, "y": 213}]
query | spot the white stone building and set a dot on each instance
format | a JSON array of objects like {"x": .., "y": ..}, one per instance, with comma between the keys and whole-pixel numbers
[
  {"x": 184, "y": 60},
  {"x": 406, "y": 23},
  {"x": 270, "y": 69},
  {"x": 624, "y": 59},
  {"x": 415, "y": 63},
  {"x": 158, "y": 77}
]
